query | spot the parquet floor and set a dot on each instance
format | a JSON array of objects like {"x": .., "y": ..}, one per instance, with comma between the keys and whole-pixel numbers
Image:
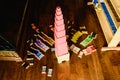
[{"x": 96, "y": 66}]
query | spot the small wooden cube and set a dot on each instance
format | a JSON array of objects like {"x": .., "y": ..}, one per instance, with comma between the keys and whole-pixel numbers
[
  {"x": 43, "y": 70},
  {"x": 25, "y": 65},
  {"x": 49, "y": 72}
]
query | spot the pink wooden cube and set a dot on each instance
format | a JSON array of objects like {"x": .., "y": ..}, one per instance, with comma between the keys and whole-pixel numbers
[
  {"x": 60, "y": 33},
  {"x": 59, "y": 17},
  {"x": 60, "y": 27},
  {"x": 58, "y": 10},
  {"x": 62, "y": 49},
  {"x": 59, "y": 22},
  {"x": 60, "y": 40}
]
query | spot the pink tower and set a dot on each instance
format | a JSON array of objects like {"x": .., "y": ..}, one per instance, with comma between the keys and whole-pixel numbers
[{"x": 61, "y": 47}]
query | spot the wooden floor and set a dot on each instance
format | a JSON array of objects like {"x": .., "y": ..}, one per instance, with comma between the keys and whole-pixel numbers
[{"x": 97, "y": 66}]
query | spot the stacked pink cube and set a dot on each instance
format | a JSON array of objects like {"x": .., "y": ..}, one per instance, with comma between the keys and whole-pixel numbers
[{"x": 61, "y": 47}]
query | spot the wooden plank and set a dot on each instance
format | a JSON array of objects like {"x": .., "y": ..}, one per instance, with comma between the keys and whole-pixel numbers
[
  {"x": 91, "y": 68},
  {"x": 85, "y": 69},
  {"x": 109, "y": 48},
  {"x": 116, "y": 70},
  {"x": 8, "y": 58},
  {"x": 109, "y": 68},
  {"x": 97, "y": 66},
  {"x": 105, "y": 25},
  {"x": 115, "y": 40},
  {"x": 116, "y": 5}
]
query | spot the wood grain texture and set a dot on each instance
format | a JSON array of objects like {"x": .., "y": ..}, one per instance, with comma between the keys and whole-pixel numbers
[{"x": 96, "y": 66}]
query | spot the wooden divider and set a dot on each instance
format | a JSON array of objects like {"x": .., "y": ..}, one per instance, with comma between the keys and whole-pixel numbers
[
  {"x": 116, "y": 6},
  {"x": 115, "y": 40},
  {"x": 105, "y": 25},
  {"x": 9, "y": 56}
]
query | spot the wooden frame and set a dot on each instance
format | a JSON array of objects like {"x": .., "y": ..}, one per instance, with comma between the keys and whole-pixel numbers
[
  {"x": 111, "y": 38},
  {"x": 9, "y": 56}
]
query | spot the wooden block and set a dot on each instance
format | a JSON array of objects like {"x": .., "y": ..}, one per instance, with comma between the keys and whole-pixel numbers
[
  {"x": 93, "y": 34},
  {"x": 60, "y": 28},
  {"x": 89, "y": 50},
  {"x": 60, "y": 40},
  {"x": 64, "y": 57},
  {"x": 60, "y": 33},
  {"x": 43, "y": 69},
  {"x": 29, "y": 56},
  {"x": 59, "y": 22},
  {"x": 76, "y": 50},
  {"x": 82, "y": 27},
  {"x": 50, "y": 72},
  {"x": 80, "y": 54},
  {"x": 110, "y": 48},
  {"x": 89, "y": 3},
  {"x": 84, "y": 32},
  {"x": 25, "y": 65},
  {"x": 61, "y": 49},
  {"x": 76, "y": 36},
  {"x": 86, "y": 41},
  {"x": 36, "y": 53},
  {"x": 41, "y": 45},
  {"x": 46, "y": 38},
  {"x": 31, "y": 61},
  {"x": 52, "y": 49}
]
